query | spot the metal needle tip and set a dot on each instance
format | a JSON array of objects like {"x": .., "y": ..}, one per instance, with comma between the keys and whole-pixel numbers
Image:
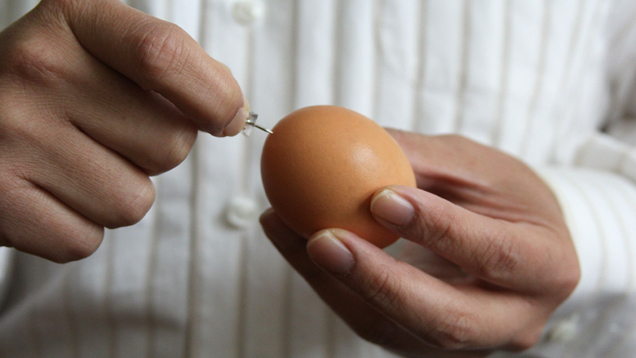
[
  {"x": 263, "y": 129},
  {"x": 251, "y": 123}
]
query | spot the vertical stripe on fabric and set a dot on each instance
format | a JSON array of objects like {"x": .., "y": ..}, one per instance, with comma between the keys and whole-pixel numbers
[
  {"x": 538, "y": 82},
  {"x": 397, "y": 55},
  {"x": 243, "y": 266},
  {"x": 289, "y": 275},
  {"x": 377, "y": 13},
  {"x": 622, "y": 91},
  {"x": 241, "y": 309},
  {"x": 463, "y": 65},
  {"x": 192, "y": 315},
  {"x": 68, "y": 310},
  {"x": 574, "y": 40},
  {"x": 166, "y": 11},
  {"x": 273, "y": 83},
  {"x": 567, "y": 69},
  {"x": 622, "y": 34},
  {"x": 108, "y": 295},
  {"x": 32, "y": 318},
  {"x": 336, "y": 71},
  {"x": 330, "y": 335},
  {"x": 356, "y": 55},
  {"x": 421, "y": 65},
  {"x": 503, "y": 77},
  {"x": 287, "y": 319},
  {"x": 629, "y": 248},
  {"x": 330, "y": 338},
  {"x": 600, "y": 233},
  {"x": 590, "y": 302},
  {"x": 595, "y": 329},
  {"x": 630, "y": 331},
  {"x": 192, "y": 302},
  {"x": 568, "y": 126},
  {"x": 151, "y": 272}
]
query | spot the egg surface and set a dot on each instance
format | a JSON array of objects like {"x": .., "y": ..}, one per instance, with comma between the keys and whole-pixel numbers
[{"x": 322, "y": 166}]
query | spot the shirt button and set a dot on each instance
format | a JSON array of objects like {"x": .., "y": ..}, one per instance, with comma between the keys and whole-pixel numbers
[
  {"x": 564, "y": 330},
  {"x": 246, "y": 12},
  {"x": 241, "y": 212}
]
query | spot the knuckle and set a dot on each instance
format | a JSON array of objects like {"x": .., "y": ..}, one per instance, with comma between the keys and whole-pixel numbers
[
  {"x": 12, "y": 179},
  {"x": 160, "y": 50},
  {"x": 33, "y": 61},
  {"x": 500, "y": 256},
  {"x": 384, "y": 289},
  {"x": 568, "y": 280},
  {"x": 455, "y": 330},
  {"x": 434, "y": 227},
  {"x": 572, "y": 278},
  {"x": 17, "y": 127},
  {"x": 80, "y": 245},
  {"x": 232, "y": 96},
  {"x": 133, "y": 207},
  {"x": 227, "y": 96},
  {"x": 526, "y": 340},
  {"x": 176, "y": 150}
]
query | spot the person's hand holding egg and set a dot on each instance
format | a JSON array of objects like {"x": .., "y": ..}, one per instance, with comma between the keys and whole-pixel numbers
[{"x": 494, "y": 257}]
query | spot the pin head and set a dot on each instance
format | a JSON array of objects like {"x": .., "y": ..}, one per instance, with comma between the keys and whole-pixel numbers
[{"x": 250, "y": 123}]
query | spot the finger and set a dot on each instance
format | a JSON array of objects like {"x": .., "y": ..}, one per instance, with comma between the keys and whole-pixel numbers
[
  {"x": 479, "y": 178},
  {"x": 141, "y": 126},
  {"x": 462, "y": 166},
  {"x": 462, "y": 317},
  {"x": 86, "y": 176},
  {"x": 361, "y": 317},
  {"x": 491, "y": 249},
  {"x": 161, "y": 57},
  {"x": 35, "y": 222}
]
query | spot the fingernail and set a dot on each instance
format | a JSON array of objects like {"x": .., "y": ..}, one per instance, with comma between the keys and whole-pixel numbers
[
  {"x": 393, "y": 208},
  {"x": 238, "y": 123},
  {"x": 326, "y": 251}
]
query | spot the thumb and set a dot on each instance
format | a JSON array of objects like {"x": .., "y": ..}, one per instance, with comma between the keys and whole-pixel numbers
[{"x": 161, "y": 57}]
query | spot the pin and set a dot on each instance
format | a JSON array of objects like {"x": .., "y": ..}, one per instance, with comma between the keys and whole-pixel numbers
[{"x": 250, "y": 123}]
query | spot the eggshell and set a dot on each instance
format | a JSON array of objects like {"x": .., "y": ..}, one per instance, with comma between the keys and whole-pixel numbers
[{"x": 322, "y": 166}]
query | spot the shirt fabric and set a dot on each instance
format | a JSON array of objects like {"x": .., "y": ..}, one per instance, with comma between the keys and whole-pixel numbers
[{"x": 550, "y": 82}]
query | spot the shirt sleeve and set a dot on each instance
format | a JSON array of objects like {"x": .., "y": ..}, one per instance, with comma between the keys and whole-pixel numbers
[
  {"x": 597, "y": 192},
  {"x": 598, "y": 200}
]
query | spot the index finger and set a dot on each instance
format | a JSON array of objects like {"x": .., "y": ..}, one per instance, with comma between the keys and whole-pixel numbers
[
  {"x": 161, "y": 57},
  {"x": 518, "y": 255}
]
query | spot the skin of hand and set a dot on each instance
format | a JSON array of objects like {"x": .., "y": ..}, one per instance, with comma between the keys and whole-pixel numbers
[
  {"x": 95, "y": 97},
  {"x": 488, "y": 257}
]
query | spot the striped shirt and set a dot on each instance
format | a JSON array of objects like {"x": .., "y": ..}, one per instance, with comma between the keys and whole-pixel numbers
[{"x": 550, "y": 82}]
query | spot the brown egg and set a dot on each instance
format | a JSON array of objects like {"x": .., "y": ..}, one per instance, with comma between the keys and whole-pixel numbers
[{"x": 322, "y": 166}]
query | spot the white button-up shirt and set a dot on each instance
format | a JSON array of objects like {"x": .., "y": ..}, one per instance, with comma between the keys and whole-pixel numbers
[{"x": 197, "y": 278}]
